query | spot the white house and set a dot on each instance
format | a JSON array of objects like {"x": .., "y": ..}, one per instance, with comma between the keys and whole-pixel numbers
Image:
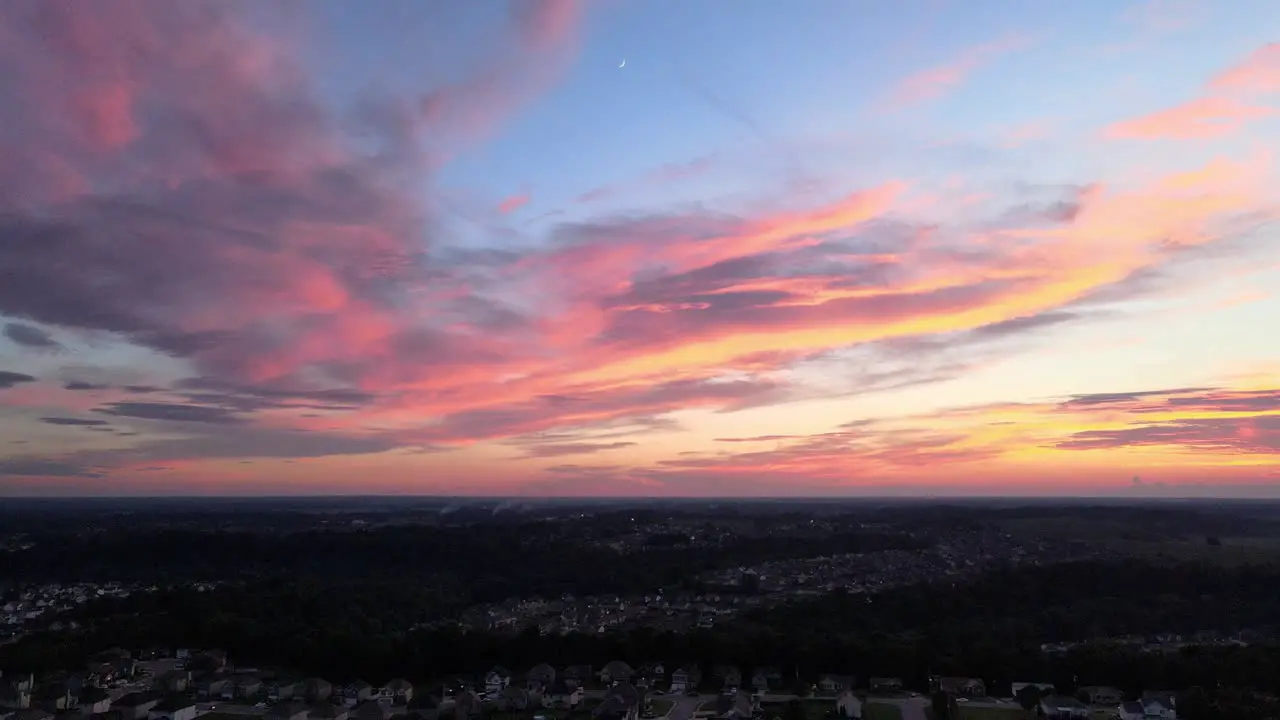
[
  {"x": 681, "y": 680},
  {"x": 848, "y": 705}
]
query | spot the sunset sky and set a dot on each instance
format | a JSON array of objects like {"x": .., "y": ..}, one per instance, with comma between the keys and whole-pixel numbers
[{"x": 816, "y": 247}]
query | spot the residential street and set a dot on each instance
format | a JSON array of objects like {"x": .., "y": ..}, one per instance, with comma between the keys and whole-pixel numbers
[{"x": 684, "y": 707}]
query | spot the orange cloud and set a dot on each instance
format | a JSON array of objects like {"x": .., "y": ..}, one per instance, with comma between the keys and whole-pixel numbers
[{"x": 1158, "y": 431}]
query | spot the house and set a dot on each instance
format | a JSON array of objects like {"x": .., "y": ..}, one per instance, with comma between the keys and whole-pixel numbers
[
  {"x": 316, "y": 689},
  {"x": 514, "y": 699},
  {"x": 686, "y": 678},
  {"x": 327, "y": 711},
  {"x": 1061, "y": 707},
  {"x": 833, "y": 684},
  {"x": 848, "y": 705},
  {"x": 175, "y": 708},
  {"x": 135, "y": 706},
  {"x": 399, "y": 690},
  {"x": 1102, "y": 695},
  {"x": 961, "y": 686},
  {"x": 577, "y": 675},
  {"x": 1155, "y": 706},
  {"x": 356, "y": 693},
  {"x": 616, "y": 671},
  {"x": 562, "y": 696},
  {"x": 283, "y": 690},
  {"x": 540, "y": 677},
  {"x": 497, "y": 680},
  {"x": 885, "y": 685},
  {"x": 288, "y": 710}
]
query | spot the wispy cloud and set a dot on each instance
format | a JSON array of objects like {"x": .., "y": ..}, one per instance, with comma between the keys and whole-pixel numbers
[
  {"x": 1229, "y": 102},
  {"x": 1202, "y": 118},
  {"x": 513, "y": 203},
  {"x": 933, "y": 83}
]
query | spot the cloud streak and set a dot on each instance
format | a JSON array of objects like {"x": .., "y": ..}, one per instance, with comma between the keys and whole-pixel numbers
[
  {"x": 1232, "y": 100},
  {"x": 934, "y": 83}
]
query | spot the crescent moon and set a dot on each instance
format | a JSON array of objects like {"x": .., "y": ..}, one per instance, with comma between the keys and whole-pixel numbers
[{"x": 623, "y": 63}]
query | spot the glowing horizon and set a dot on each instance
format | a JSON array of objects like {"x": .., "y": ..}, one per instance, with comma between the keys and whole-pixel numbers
[{"x": 784, "y": 251}]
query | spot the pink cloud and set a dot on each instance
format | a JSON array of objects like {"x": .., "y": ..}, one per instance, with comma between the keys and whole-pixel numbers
[
  {"x": 513, "y": 203},
  {"x": 1219, "y": 111},
  {"x": 1257, "y": 74},
  {"x": 544, "y": 38},
  {"x": 1028, "y": 132},
  {"x": 933, "y": 83},
  {"x": 217, "y": 173},
  {"x": 1206, "y": 117}
]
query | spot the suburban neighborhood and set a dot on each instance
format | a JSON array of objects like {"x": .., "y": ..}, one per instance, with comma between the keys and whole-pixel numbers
[{"x": 184, "y": 684}]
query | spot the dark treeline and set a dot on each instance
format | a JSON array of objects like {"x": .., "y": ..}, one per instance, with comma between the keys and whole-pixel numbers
[
  {"x": 990, "y": 628},
  {"x": 444, "y": 568},
  {"x": 1063, "y": 602}
]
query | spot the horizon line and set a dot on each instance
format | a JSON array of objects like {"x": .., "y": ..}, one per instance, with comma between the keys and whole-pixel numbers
[{"x": 651, "y": 498}]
